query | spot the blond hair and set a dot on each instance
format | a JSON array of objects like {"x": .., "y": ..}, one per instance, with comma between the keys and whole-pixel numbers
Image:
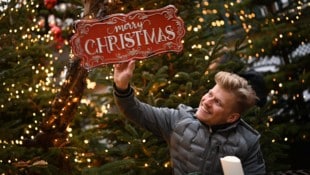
[{"x": 245, "y": 95}]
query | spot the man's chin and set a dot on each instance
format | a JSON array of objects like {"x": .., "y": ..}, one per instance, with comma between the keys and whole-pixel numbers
[{"x": 200, "y": 114}]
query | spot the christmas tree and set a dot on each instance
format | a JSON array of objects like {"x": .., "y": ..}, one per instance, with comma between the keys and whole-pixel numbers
[{"x": 57, "y": 117}]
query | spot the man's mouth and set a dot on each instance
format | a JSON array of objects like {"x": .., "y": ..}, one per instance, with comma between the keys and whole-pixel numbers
[{"x": 205, "y": 109}]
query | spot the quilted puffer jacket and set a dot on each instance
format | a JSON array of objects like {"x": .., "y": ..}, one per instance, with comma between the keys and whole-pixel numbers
[{"x": 194, "y": 147}]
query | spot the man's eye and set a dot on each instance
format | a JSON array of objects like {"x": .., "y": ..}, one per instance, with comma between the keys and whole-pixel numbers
[
  {"x": 218, "y": 102},
  {"x": 209, "y": 94}
]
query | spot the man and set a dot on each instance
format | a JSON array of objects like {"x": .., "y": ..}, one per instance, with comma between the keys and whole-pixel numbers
[{"x": 198, "y": 138}]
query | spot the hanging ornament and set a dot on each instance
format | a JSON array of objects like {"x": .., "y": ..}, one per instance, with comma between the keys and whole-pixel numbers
[
  {"x": 56, "y": 32},
  {"x": 49, "y": 4}
]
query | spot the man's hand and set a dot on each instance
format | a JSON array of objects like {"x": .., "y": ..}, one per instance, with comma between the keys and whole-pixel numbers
[{"x": 123, "y": 73}]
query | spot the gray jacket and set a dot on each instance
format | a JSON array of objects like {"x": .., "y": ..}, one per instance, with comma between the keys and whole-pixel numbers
[{"x": 194, "y": 147}]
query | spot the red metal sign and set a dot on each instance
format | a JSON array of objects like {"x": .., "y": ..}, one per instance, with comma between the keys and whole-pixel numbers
[{"x": 123, "y": 37}]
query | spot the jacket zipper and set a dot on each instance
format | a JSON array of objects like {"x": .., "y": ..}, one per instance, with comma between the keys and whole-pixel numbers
[{"x": 207, "y": 151}]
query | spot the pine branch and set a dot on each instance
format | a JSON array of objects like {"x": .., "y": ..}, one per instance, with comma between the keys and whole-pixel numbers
[{"x": 65, "y": 104}]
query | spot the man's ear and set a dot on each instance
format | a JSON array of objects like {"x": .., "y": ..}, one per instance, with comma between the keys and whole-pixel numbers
[{"x": 233, "y": 117}]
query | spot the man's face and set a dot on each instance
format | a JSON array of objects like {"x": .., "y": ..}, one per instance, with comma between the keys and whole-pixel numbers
[{"x": 217, "y": 107}]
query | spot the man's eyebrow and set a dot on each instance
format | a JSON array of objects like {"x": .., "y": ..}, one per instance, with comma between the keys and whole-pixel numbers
[{"x": 219, "y": 100}]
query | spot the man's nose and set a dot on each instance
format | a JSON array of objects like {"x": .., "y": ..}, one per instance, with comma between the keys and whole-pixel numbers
[{"x": 209, "y": 101}]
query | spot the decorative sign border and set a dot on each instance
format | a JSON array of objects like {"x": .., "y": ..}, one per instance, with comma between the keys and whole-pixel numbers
[{"x": 123, "y": 37}]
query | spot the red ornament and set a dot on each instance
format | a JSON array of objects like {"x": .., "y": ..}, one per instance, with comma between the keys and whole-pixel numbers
[
  {"x": 49, "y": 4},
  {"x": 56, "y": 32}
]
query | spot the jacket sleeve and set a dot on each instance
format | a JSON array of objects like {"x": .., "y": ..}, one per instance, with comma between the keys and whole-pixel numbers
[
  {"x": 157, "y": 120},
  {"x": 254, "y": 163}
]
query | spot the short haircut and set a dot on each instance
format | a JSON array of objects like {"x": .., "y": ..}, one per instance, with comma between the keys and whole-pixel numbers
[{"x": 245, "y": 95}]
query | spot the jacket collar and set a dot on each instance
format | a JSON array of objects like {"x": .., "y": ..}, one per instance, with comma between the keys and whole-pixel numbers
[{"x": 223, "y": 127}]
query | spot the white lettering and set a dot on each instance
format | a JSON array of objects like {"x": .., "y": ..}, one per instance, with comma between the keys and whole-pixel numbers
[
  {"x": 100, "y": 45},
  {"x": 147, "y": 37},
  {"x": 170, "y": 32},
  {"x": 129, "y": 40},
  {"x": 122, "y": 40},
  {"x": 112, "y": 42},
  {"x": 129, "y": 26},
  {"x": 90, "y": 45},
  {"x": 161, "y": 36},
  {"x": 138, "y": 33}
]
